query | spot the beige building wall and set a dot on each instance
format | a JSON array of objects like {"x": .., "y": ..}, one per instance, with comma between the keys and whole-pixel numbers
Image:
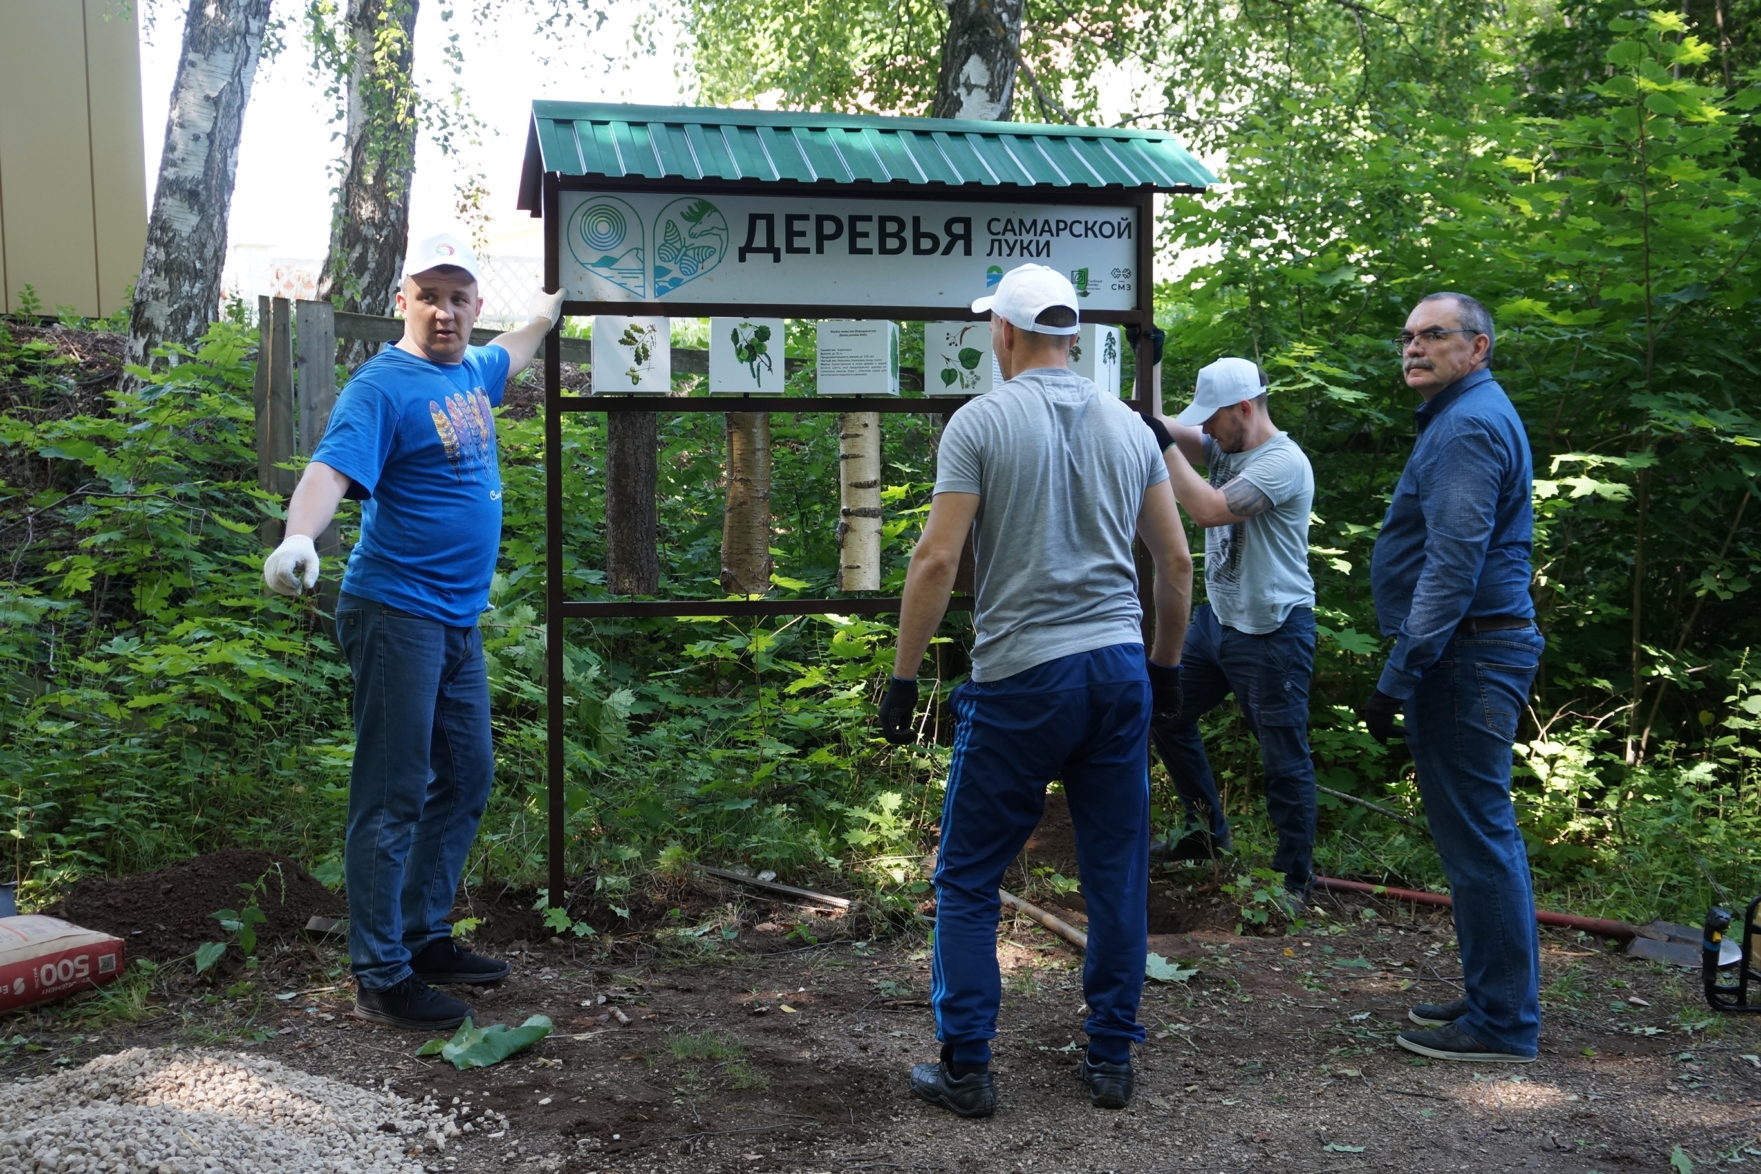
[{"x": 73, "y": 199}]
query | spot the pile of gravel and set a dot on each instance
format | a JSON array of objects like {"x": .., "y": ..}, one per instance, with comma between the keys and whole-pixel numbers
[{"x": 181, "y": 1112}]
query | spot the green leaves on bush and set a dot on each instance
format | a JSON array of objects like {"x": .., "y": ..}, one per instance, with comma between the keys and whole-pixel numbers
[{"x": 155, "y": 696}]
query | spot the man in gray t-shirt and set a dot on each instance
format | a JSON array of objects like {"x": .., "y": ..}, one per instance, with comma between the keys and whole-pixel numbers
[
  {"x": 1051, "y": 477},
  {"x": 1255, "y": 637}
]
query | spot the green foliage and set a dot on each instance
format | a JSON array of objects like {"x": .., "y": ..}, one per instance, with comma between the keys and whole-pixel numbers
[
  {"x": 883, "y": 58},
  {"x": 137, "y": 647},
  {"x": 752, "y": 347},
  {"x": 1158, "y": 969},
  {"x": 709, "y": 1059},
  {"x": 241, "y": 923},
  {"x": 1059, "y": 884},
  {"x": 740, "y": 742},
  {"x": 641, "y": 340},
  {"x": 1593, "y": 183},
  {"x": 1259, "y": 895},
  {"x": 817, "y": 55},
  {"x": 1612, "y": 230},
  {"x": 750, "y": 743},
  {"x": 558, "y": 921},
  {"x": 479, "y": 1047}
]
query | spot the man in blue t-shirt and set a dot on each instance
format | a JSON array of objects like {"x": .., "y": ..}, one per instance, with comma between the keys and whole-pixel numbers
[
  {"x": 1051, "y": 478},
  {"x": 412, "y": 437},
  {"x": 1255, "y": 634}
]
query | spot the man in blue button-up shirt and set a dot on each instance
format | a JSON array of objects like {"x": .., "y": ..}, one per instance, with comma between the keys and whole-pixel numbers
[{"x": 1450, "y": 575}]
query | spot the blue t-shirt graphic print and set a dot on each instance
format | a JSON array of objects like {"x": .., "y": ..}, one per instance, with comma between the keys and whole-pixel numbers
[{"x": 466, "y": 429}]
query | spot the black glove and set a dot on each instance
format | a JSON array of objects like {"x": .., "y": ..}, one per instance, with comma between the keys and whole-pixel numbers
[
  {"x": 1165, "y": 698},
  {"x": 1379, "y": 712},
  {"x": 1164, "y": 439},
  {"x": 897, "y": 709},
  {"x": 1133, "y": 332}
]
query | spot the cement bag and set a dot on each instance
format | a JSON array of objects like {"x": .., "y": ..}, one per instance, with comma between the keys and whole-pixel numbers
[{"x": 45, "y": 958}]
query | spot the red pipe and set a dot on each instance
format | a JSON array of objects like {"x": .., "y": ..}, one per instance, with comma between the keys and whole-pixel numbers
[{"x": 1619, "y": 930}]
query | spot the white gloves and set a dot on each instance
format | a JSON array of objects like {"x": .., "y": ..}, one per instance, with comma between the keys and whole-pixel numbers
[
  {"x": 548, "y": 306},
  {"x": 292, "y": 567}
]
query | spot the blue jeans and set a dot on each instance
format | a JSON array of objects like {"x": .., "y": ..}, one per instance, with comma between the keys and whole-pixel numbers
[
  {"x": 1083, "y": 718},
  {"x": 423, "y": 767},
  {"x": 1269, "y": 676},
  {"x": 1460, "y": 725}
]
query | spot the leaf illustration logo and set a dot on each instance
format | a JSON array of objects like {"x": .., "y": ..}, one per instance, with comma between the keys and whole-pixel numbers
[
  {"x": 693, "y": 239},
  {"x": 610, "y": 240}
]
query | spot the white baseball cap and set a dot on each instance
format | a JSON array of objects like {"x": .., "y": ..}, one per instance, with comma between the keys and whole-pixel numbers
[
  {"x": 442, "y": 248},
  {"x": 1027, "y": 291},
  {"x": 1223, "y": 384}
]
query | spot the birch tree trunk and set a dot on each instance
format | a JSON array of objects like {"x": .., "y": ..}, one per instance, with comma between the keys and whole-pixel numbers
[
  {"x": 979, "y": 58},
  {"x": 976, "y": 80},
  {"x": 632, "y": 519},
  {"x": 859, "y": 501},
  {"x": 746, "y": 561},
  {"x": 370, "y": 225},
  {"x": 178, "y": 292}
]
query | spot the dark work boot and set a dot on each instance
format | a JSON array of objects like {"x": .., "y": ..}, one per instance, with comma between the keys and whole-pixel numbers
[
  {"x": 972, "y": 1095},
  {"x": 1109, "y": 1085}
]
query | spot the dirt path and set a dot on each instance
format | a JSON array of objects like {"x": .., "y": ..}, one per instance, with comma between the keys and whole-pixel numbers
[{"x": 737, "y": 1035}]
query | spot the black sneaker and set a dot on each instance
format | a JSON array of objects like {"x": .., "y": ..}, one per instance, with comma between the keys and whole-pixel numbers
[
  {"x": 1452, "y": 1043},
  {"x": 444, "y": 960},
  {"x": 972, "y": 1095},
  {"x": 1109, "y": 1085},
  {"x": 1437, "y": 1014},
  {"x": 411, "y": 1003}
]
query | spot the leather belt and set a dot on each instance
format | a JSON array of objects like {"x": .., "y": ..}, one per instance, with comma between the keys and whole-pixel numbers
[{"x": 1474, "y": 625}]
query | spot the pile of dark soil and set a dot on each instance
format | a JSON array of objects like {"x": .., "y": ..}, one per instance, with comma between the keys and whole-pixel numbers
[{"x": 166, "y": 914}]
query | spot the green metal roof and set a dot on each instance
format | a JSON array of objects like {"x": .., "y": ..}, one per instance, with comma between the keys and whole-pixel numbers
[{"x": 615, "y": 145}]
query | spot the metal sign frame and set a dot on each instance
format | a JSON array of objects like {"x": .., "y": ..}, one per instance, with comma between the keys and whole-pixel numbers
[{"x": 559, "y": 609}]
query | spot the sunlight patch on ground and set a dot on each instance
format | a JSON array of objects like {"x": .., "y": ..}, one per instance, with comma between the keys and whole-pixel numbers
[{"x": 1513, "y": 1094}]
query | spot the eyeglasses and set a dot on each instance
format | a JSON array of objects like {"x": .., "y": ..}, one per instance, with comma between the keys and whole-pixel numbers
[{"x": 1429, "y": 337}]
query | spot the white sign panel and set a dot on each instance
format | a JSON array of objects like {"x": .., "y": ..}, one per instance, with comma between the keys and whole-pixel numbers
[
  {"x": 750, "y": 250},
  {"x": 745, "y": 356},
  {"x": 957, "y": 358},
  {"x": 858, "y": 358},
  {"x": 632, "y": 355}
]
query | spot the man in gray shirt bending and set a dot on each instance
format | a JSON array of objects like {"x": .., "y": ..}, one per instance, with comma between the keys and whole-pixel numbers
[{"x": 1255, "y": 637}]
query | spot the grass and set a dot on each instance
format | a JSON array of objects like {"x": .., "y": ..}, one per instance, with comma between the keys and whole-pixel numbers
[
  {"x": 704, "y": 1046},
  {"x": 129, "y": 999},
  {"x": 711, "y": 1060},
  {"x": 1569, "y": 988}
]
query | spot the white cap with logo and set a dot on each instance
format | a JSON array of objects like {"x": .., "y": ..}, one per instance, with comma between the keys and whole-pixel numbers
[
  {"x": 1223, "y": 384},
  {"x": 1026, "y": 292},
  {"x": 441, "y": 248}
]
